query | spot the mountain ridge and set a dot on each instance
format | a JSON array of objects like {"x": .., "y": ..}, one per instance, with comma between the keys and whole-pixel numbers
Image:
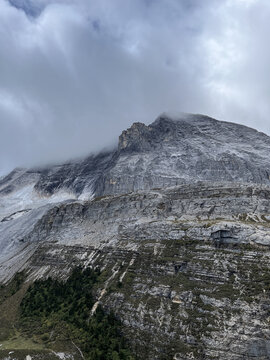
[
  {"x": 177, "y": 218},
  {"x": 192, "y": 134}
]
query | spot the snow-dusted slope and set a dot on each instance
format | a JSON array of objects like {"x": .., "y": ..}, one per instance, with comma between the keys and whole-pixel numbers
[{"x": 31, "y": 188}]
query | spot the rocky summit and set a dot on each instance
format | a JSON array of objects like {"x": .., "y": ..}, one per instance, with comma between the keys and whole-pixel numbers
[{"x": 177, "y": 217}]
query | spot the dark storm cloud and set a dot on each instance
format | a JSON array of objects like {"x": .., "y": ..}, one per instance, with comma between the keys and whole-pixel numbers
[{"x": 75, "y": 73}]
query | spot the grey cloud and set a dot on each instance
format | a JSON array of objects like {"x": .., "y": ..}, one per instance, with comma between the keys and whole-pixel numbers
[{"x": 74, "y": 74}]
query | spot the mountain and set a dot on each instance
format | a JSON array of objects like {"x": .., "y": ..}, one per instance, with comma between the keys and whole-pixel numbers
[
  {"x": 177, "y": 217},
  {"x": 166, "y": 153}
]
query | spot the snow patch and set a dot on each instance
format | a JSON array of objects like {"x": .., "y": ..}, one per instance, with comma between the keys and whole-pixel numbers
[
  {"x": 27, "y": 198},
  {"x": 86, "y": 196}
]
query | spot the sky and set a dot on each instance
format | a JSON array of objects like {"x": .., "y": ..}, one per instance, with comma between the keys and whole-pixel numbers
[{"x": 75, "y": 73}]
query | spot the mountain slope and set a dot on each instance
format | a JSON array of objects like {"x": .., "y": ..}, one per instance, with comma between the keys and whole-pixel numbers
[
  {"x": 166, "y": 153},
  {"x": 177, "y": 218}
]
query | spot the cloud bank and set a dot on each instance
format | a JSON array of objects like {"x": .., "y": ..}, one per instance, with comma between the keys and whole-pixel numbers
[{"x": 75, "y": 73}]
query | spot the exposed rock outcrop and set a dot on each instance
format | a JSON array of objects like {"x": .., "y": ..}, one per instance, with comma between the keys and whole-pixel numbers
[
  {"x": 168, "y": 152},
  {"x": 178, "y": 219}
]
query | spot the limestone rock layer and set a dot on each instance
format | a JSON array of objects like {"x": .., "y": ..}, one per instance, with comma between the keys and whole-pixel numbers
[{"x": 178, "y": 219}]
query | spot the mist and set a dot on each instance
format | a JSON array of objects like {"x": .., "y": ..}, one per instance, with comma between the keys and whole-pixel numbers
[{"x": 74, "y": 74}]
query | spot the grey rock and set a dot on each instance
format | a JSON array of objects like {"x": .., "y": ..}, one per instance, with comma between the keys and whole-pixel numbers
[
  {"x": 179, "y": 217},
  {"x": 169, "y": 152}
]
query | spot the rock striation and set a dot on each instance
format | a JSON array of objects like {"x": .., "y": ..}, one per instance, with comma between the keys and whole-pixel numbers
[
  {"x": 168, "y": 152},
  {"x": 177, "y": 218}
]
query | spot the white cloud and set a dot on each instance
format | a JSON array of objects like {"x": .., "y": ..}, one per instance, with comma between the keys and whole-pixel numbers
[{"x": 74, "y": 74}]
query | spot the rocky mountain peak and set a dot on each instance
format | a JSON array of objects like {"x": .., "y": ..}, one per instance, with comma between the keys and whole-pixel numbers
[
  {"x": 135, "y": 138},
  {"x": 175, "y": 149},
  {"x": 140, "y": 137}
]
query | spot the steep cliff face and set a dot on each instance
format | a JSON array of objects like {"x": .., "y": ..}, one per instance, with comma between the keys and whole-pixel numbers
[
  {"x": 178, "y": 220},
  {"x": 166, "y": 153},
  {"x": 186, "y": 269},
  {"x": 196, "y": 148}
]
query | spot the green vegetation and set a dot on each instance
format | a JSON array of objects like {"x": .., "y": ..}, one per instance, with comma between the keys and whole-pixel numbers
[
  {"x": 8, "y": 290},
  {"x": 53, "y": 311}
]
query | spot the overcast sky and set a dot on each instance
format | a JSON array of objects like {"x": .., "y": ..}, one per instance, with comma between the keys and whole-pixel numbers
[{"x": 75, "y": 73}]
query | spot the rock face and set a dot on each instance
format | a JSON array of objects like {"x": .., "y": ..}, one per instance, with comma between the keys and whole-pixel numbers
[
  {"x": 178, "y": 219},
  {"x": 186, "y": 268},
  {"x": 168, "y": 152}
]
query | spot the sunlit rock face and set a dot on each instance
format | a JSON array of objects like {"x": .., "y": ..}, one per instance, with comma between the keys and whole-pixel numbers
[{"x": 177, "y": 217}]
